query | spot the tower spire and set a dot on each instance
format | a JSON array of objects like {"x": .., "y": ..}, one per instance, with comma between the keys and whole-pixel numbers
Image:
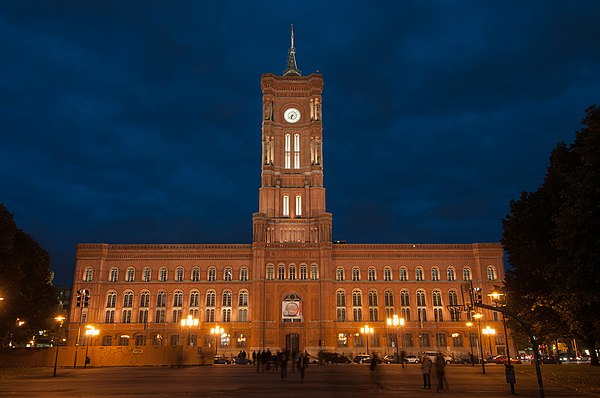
[{"x": 292, "y": 68}]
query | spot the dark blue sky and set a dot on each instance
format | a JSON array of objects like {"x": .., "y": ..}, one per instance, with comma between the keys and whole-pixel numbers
[{"x": 140, "y": 122}]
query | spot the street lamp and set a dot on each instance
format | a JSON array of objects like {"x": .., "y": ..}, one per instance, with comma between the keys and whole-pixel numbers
[
  {"x": 217, "y": 331},
  {"x": 60, "y": 319},
  {"x": 189, "y": 322},
  {"x": 469, "y": 324},
  {"x": 367, "y": 331},
  {"x": 395, "y": 321},
  {"x": 478, "y": 317},
  {"x": 497, "y": 299},
  {"x": 488, "y": 331},
  {"x": 89, "y": 333}
]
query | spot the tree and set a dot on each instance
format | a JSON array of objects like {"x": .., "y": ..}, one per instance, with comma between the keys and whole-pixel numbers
[
  {"x": 552, "y": 238},
  {"x": 25, "y": 283}
]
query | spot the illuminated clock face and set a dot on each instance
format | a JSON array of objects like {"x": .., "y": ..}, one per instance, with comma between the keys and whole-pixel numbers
[{"x": 291, "y": 115}]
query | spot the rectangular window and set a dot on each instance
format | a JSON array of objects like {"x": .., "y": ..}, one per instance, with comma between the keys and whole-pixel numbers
[
  {"x": 341, "y": 314},
  {"x": 286, "y": 206},
  {"x": 227, "y": 315},
  {"x": 143, "y": 316},
  {"x": 210, "y": 315},
  {"x": 298, "y": 206},
  {"x": 160, "y": 316},
  {"x": 287, "y": 151},
  {"x": 357, "y": 313},
  {"x": 281, "y": 272},
  {"x": 243, "y": 315},
  {"x": 296, "y": 151}
]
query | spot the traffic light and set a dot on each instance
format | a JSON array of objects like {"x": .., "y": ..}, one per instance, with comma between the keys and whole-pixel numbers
[
  {"x": 79, "y": 298},
  {"x": 86, "y": 298},
  {"x": 478, "y": 295}
]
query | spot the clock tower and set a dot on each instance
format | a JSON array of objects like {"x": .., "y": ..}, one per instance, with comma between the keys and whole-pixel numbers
[{"x": 291, "y": 207}]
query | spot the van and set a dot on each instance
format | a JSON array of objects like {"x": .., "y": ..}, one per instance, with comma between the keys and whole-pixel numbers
[{"x": 433, "y": 356}]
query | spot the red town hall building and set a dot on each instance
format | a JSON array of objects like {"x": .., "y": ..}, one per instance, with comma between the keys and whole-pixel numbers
[{"x": 293, "y": 287}]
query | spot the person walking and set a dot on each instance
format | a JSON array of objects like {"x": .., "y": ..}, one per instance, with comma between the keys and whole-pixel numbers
[
  {"x": 302, "y": 362},
  {"x": 426, "y": 371},
  {"x": 440, "y": 367},
  {"x": 375, "y": 371}
]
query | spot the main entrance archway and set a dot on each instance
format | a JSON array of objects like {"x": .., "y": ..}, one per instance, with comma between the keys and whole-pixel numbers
[{"x": 292, "y": 342}]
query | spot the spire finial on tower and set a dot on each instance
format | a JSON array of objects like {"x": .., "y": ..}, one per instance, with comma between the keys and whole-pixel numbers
[{"x": 292, "y": 68}]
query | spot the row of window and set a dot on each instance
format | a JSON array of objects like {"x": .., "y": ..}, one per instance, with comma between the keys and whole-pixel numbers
[{"x": 290, "y": 272}]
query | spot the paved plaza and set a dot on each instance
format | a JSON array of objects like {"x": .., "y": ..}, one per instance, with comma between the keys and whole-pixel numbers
[{"x": 243, "y": 381}]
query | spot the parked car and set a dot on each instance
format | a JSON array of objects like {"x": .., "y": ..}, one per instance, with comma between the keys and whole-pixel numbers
[
  {"x": 412, "y": 359},
  {"x": 503, "y": 360},
  {"x": 220, "y": 360},
  {"x": 362, "y": 358},
  {"x": 393, "y": 359},
  {"x": 333, "y": 357},
  {"x": 433, "y": 356}
]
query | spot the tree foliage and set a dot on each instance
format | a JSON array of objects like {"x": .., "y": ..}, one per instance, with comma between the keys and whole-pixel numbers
[
  {"x": 552, "y": 238},
  {"x": 25, "y": 283}
]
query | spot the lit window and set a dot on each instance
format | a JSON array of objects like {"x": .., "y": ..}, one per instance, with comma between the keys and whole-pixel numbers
[
  {"x": 286, "y": 206},
  {"x": 287, "y": 151},
  {"x": 88, "y": 274},
  {"x": 130, "y": 276},
  {"x": 298, "y": 206},
  {"x": 228, "y": 274},
  {"x": 314, "y": 272},
  {"x": 491, "y": 273},
  {"x": 179, "y": 274},
  {"x": 296, "y": 151},
  {"x": 195, "y": 274},
  {"x": 270, "y": 272},
  {"x": 113, "y": 275},
  {"x": 162, "y": 274}
]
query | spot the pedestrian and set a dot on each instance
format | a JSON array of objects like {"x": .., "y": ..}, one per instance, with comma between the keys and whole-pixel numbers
[
  {"x": 302, "y": 362},
  {"x": 440, "y": 365},
  {"x": 426, "y": 371},
  {"x": 375, "y": 371},
  {"x": 402, "y": 357}
]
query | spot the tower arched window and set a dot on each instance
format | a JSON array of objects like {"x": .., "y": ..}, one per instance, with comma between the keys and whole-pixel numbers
[
  {"x": 491, "y": 273},
  {"x": 287, "y": 151},
  {"x": 286, "y": 206},
  {"x": 296, "y": 151},
  {"x": 298, "y": 206}
]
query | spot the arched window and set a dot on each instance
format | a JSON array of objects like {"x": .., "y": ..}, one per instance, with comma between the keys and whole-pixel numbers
[
  {"x": 403, "y": 274},
  {"x": 226, "y": 298},
  {"x": 211, "y": 298},
  {"x": 388, "y": 298},
  {"x": 419, "y": 274},
  {"x": 145, "y": 299},
  {"x": 373, "y": 303},
  {"x": 178, "y": 298},
  {"x": 296, "y": 151},
  {"x": 466, "y": 274},
  {"x": 453, "y": 305},
  {"x": 356, "y": 274},
  {"x": 88, "y": 274},
  {"x": 286, "y": 206},
  {"x": 281, "y": 272},
  {"x": 298, "y": 206},
  {"x": 357, "y": 305},
  {"x": 404, "y": 298},
  {"x": 162, "y": 274},
  {"x": 339, "y": 274},
  {"x": 243, "y": 306},
  {"x": 195, "y": 274},
  {"x": 111, "y": 300},
  {"x": 228, "y": 274},
  {"x": 372, "y": 298},
  {"x": 128, "y": 299},
  {"x": 244, "y": 274},
  {"x": 292, "y": 272},
  {"x": 435, "y": 274},
  {"x": 270, "y": 272},
  {"x": 491, "y": 273},
  {"x": 314, "y": 272},
  {"x": 287, "y": 151},
  {"x": 371, "y": 274},
  {"x": 130, "y": 274},
  {"x": 421, "y": 302},
  {"x": 212, "y": 274},
  {"x": 340, "y": 298},
  {"x": 161, "y": 299},
  {"x": 451, "y": 274},
  {"x": 387, "y": 274},
  {"x": 113, "y": 275},
  {"x": 194, "y": 298},
  {"x": 147, "y": 274},
  {"x": 303, "y": 272},
  {"x": 179, "y": 274},
  {"x": 437, "y": 298}
]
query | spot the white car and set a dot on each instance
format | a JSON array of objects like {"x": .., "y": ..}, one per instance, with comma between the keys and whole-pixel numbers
[
  {"x": 433, "y": 356},
  {"x": 412, "y": 359}
]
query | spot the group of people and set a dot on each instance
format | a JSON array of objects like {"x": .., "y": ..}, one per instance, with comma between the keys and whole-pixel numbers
[
  {"x": 265, "y": 360},
  {"x": 438, "y": 367}
]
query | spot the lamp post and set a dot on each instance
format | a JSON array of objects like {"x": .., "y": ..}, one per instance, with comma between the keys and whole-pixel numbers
[
  {"x": 189, "y": 322},
  {"x": 60, "y": 319},
  {"x": 367, "y": 330},
  {"x": 89, "y": 333},
  {"x": 478, "y": 317},
  {"x": 217, "y": 331},
  {"x": 395, "y": 321},
  {"x": 488, "y": 331},
  {"x": 469, "y": 324},
  {"x": 498, "y": 300}
]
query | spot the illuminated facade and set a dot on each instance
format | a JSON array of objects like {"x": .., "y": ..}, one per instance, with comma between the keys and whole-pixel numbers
[{"x": 293, "y": 286}]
